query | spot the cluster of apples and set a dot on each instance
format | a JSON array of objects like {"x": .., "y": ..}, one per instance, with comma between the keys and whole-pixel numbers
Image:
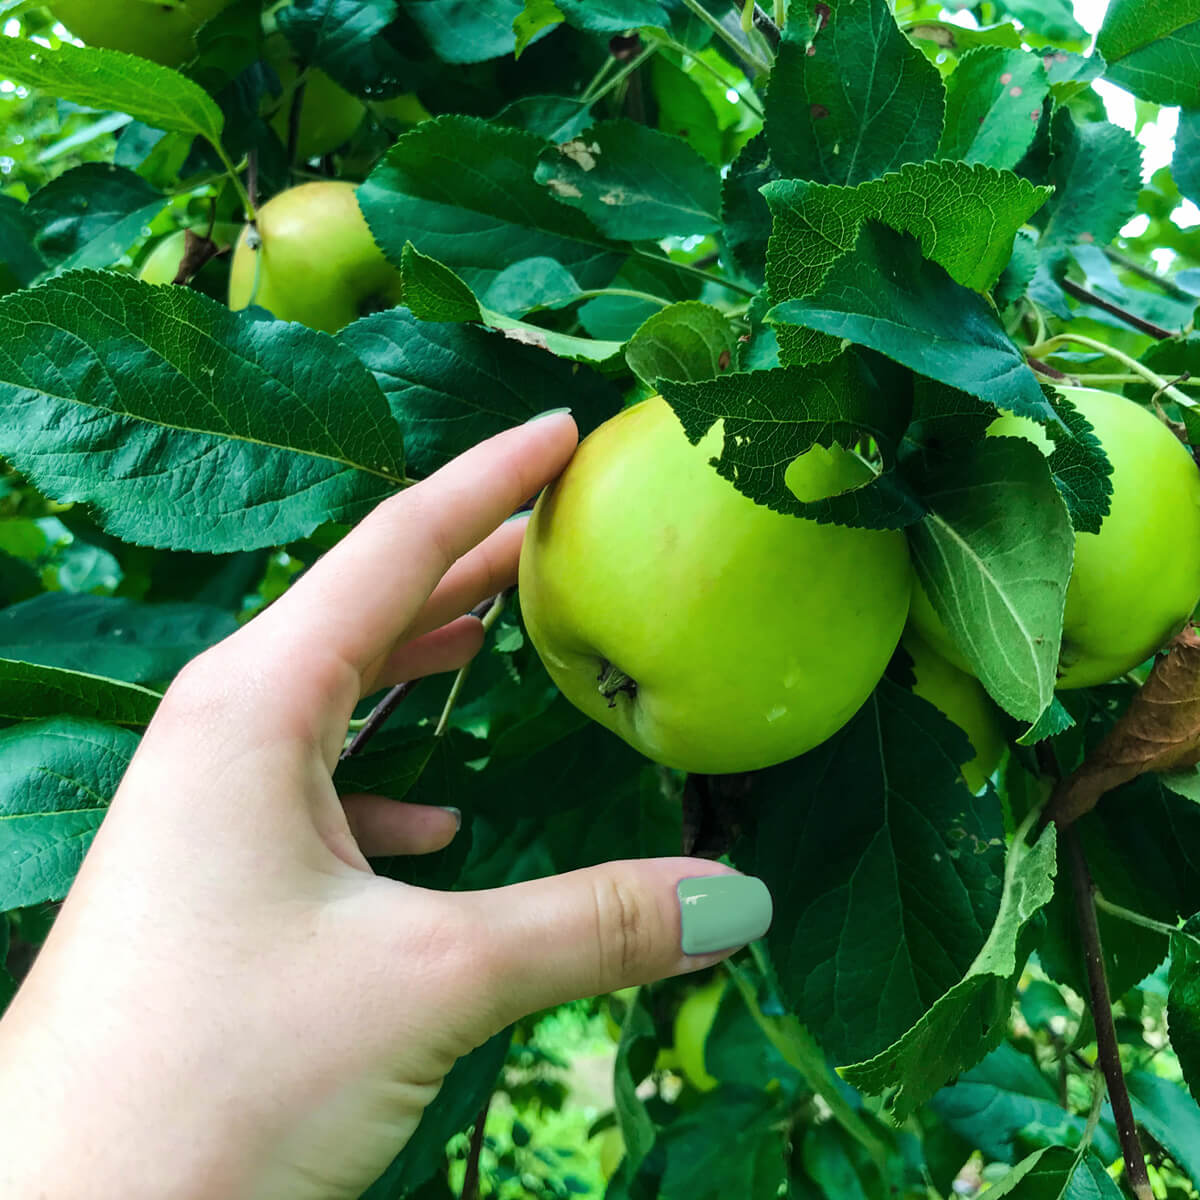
[
  {"x": 716, "y": 635},
  {"x": 709, "y": 632}
]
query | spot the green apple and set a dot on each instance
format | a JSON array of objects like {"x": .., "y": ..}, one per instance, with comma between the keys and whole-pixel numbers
[
  {"x": 962, "y": 698},
  {"x": 612, "y": 1150},
  {"x": 708, "y": 631},
  {"x": 163, "y": 32},
  {"x": 693, "y": 1023},
  {"x": 162, "y": 264},
  {"x": 316, "y": 262},
  {"x": 328, "y": 113},
  {"x": 1136, "y": 582}
]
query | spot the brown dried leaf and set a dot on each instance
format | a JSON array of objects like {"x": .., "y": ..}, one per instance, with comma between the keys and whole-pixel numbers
[{"x": 1159, "y": 731}]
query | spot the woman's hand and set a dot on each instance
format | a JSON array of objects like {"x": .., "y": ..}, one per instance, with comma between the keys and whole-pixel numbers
[{"x": 231, "y": 1003}]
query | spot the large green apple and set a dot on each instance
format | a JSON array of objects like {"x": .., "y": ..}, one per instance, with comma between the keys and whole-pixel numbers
[
  {"x": 317, "y": 262},
  {"x": 328, "y": 113},
  {"x": 962, "y": 698},
  {"x": 163, "y": 32},
  {"x": 1135, "y": 583},
  {"x": 709, "y": 632}
]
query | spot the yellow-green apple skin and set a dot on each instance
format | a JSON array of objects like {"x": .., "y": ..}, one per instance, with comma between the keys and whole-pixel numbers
[
  {"x": 612, "y": 1150},
  {"x": 693, "y": 1023},
  {"x": 319, "y": 263},
  {"x": 328, "y": 113},
  {"x": 164, "y": 33},
  {"x": 1136, "y": 582},
  {"x": 962, "y": 698},
  {"x": 749, "y": 636}
]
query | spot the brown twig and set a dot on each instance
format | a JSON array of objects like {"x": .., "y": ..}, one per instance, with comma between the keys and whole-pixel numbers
[
  {"x": 1115, "y": 310},
  {"x": 470, "y": 1187},
  {"x": 1046, "y": 369},
  {"x": 384, "y": 709},
  {"x": 1107, "y": 1048}
]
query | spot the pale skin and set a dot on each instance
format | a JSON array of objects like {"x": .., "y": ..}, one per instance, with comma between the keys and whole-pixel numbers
[{"x": 232, "y": 1004}]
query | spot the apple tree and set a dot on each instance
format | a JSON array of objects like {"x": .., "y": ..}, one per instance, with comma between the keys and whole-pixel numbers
[{"x": 263, "y": 265}]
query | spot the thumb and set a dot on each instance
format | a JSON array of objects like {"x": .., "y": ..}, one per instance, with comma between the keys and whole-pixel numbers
[{"x": 596, "y": 930}]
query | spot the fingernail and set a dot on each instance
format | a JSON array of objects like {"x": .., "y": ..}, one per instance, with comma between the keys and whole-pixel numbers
[
  {"x": 550, "y": 412},
  {"x": 722, "y": 912},
  {"x": 456, "y": 813}
]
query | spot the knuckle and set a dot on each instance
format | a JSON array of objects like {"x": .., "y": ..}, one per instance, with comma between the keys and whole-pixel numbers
[{"x": 624, "y": 928}]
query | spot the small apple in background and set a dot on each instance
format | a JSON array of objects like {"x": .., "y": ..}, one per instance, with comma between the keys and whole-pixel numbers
[
  {"x": 328, "y": 113},
  {"x": 612, "y": 1150},
  {"x": 1136, "y": 582},
  {"x": 709, "y": 632},
  {"x": 693, "y": 1023},
  {"x": 163, "y": 262},
  {"x": 164, "y": 33},
  {"x": 962, "y": 698},
  {"x": 316, "y": 262}
]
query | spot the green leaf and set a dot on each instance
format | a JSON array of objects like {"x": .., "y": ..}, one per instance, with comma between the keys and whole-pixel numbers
[
  {"x": 114, "y": 82},
  {"x": 971, "y": 1018},
  {"x": 771, "y": 417},
  {"x": 28, "y": 691},
  {"x": 945, "y": 205},
  {"x": 615, "y": 16},
  {"x": 451, "y": 386},
  {"x": 1081, "y": 470},
  {"x": 105, "y": 635},
  {"x": 56, "y": 780},
  {"x": 687, "y": 342},
  {"x": 1057, "y": 1173},
  {"x": 958, "y": 39},
  {"x": 1005, "y": 1103},
  {"x": 1183, "y": 1008},
  {"x": 20, "y": 263},
  {"x": 704, "y": 1164},
  {"x": 993, "y": 105},
  {"x": 470, "y": 31},
  {"x": 90, "y": 215},
  {"x": 368, "y": 46},
  {"x": 994, "y": 556},
  {"x": 633, "y": 182},
  {"x": 529, "y": 284},
  {"x": 885, "y": 874},
  {"x": 684, "y": 110},
  {"x": 432, "y": 292},
  {"x": 821, "y": 127},
  {"x": 1053, "y": 19},
  {"x": 1096, "y": 172},
  {"x": 186, "y": 425},
  {"x": 885, "y": 295},
  {"x": 1165, "y": 1110},
  {"x": 462, "y": 1094},
  {"x": 1185, "y": 166},
  {"x": 533, "y": 19},
  {"x": 477, "y": 222},
  {"x": 1153, "y": 49},
  {"x": 637, "y": 1129},
  {"x": 618, "y": 318},
  {"x": 745, "y": 217}
]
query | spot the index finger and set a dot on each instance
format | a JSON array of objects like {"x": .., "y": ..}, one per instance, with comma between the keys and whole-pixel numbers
[{"x": 362, "y": 595}]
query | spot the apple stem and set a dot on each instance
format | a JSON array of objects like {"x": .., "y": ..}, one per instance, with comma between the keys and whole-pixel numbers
[{"x": 612, "y": 680}]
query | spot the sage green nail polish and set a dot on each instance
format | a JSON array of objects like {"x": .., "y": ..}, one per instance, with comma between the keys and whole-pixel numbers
[
  {"x": 550, "y": 412},
  {"x": 722, "y": 912}
]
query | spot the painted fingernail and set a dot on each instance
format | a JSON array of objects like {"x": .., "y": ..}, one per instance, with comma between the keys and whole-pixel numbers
[
  {"x": 722, "y": 912},
  {"x": 456, "y": 813},
  {"x": 550, "y": 412}
]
